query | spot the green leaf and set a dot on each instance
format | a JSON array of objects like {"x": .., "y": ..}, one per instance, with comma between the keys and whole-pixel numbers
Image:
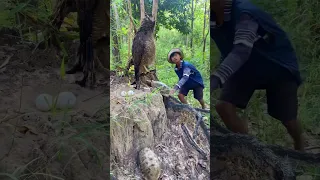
[
  {"x": 62, "y": 69},
  {"x": 19, "y": 8}
]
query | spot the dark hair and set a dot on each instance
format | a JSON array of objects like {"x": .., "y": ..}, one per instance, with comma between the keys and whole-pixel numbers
[{"x": 174, "y": 54}]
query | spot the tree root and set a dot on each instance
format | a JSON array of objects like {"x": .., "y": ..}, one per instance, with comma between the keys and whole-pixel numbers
[
  {"x": 250, "y": 147},
  {"x": 171, "y": 102},
  {"x": 223, "y": 140},
  {"x": 278, "y": 150},
  {"x": 192, "y": 142}
]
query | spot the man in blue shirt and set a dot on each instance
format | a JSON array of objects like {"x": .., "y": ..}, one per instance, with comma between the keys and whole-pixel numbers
[
  {"x": 189, "y": 78},
  {"x": 257, "y": 54}
]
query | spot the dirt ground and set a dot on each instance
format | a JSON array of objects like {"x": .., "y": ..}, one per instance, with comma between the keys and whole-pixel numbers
[{"x": 48, "y": 145}]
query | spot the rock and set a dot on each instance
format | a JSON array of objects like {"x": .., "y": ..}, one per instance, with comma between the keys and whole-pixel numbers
[
  {"x": 149, "y": 164},
  {"x": 164, "y": 89},
  {"x": 66, "y": 100},
  {"x": 44, "y": 102}
]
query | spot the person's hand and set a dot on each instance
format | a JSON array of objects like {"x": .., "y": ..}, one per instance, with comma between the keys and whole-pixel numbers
[
  {"x": 172, "y": 91},
  {"x": 215, "y": 82}
]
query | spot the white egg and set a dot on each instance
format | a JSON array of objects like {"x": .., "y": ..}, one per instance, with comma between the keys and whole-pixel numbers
[
  {"x": 44, "y": 102},
  {"x": 123, "y": 93},
  {"x": 66, "y": 100},
  {"x": 130, "y": 93}
]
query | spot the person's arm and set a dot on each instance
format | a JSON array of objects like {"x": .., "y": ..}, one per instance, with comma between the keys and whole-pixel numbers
[
  {"x": 245, "y": 36},
  {"x": 184, "y": 79}
]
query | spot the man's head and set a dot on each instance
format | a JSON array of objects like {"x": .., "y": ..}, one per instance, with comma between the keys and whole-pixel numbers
[
  {"x": 217, "y": 7},
  {"x": 175, "y": 56}
]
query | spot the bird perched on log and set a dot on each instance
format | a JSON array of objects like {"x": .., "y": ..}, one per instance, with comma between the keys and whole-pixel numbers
[
  {"x": 143, "y": 49},
  {"x": 93, "y": 21}
]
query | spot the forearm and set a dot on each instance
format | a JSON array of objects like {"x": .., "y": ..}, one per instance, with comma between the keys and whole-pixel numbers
[
  {"x": 235, "y": 59},
  {"x": 182, "y": 81},
  {"x": 245, "y": 36}
]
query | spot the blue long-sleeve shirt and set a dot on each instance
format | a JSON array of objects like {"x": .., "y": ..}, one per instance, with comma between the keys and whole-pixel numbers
[
  {"x": 184, "y": 79},
  {"x": 245, "y": 36}
]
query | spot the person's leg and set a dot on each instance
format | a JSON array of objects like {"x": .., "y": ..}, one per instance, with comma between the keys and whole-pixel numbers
[
  {"x": 198, "y": 95},
  {"x": 283, "y": 105},
  {"x": 231, "y": 99},
  {"x": 236, "y": 93},
  {"x": 182, "y": 93},
  {"x": 202, "y": 103}
]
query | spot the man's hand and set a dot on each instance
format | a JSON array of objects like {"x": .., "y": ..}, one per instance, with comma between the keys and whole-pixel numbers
[
  {"x": 172, "y": 91},
  {"x": 215, "y": 82}
]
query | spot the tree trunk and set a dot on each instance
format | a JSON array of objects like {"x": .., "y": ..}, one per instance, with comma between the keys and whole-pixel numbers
[
  {"x": 116, "y": 50},
  {"x": 142, "y": 11},
  {"x": 116, "y": 16},
  {"x": 204, "y": 27},
  {"x": 115, "y": 38},
  {"x": 192, "y": 19},
  {"x": 155, "y": 11},
  {"x": 130, "y": 28}
]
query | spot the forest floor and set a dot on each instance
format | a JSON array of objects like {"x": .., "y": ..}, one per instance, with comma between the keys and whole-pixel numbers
[{"x": 59, "y": 144}]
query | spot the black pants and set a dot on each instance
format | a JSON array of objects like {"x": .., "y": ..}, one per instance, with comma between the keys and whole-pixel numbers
[
  {"x": 197, "y": 91},
  {"x": 280, "y": 85}
]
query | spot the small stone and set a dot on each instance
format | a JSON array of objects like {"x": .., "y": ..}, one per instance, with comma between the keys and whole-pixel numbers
[
  {"x": 44, "y": 102},
  {"x": 66, "y": 100}
]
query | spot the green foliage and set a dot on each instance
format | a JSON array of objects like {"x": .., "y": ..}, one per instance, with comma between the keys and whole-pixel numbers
[{"x": 172, "y": 14}]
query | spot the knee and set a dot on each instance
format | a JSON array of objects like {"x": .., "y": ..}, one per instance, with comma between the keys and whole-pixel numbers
[
  {"x": 223, "y": 107},
  {"x": 180, "y": 95}
]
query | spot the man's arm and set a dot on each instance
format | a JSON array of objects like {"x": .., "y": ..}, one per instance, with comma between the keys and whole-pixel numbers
[
  {"x": 184, "y": 79},
  {"x": 245, "y": 36}
]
